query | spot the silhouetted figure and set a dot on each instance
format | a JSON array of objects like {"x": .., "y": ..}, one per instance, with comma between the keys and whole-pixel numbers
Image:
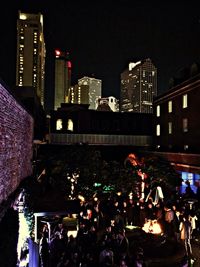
[{"x": 44, "y": 251}]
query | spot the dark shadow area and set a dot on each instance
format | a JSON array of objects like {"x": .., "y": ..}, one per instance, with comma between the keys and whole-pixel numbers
[{"x": 9, "y": 227}]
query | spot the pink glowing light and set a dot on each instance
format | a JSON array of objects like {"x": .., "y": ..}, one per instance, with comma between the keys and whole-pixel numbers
[{"x": 69, "y": 64}]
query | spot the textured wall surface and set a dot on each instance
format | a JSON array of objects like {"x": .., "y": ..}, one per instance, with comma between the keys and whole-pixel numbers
[{"x": 16, "y": 139}]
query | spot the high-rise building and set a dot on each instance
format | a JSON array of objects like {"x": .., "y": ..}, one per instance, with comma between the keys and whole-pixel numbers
[
  {"x": 138, "y": 87},
  {"x": 62, "y": 78},
  {"x": 30, "y": 67},
  {"x": 79, "y": 94},
  {"x": 95, "y": 89}
]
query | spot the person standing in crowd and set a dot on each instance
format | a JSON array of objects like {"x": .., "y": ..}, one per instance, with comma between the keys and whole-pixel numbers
[
  {"x": 106, "y": 257},
  {"x": 193, "y": 219},
  {"x": 169, "y": 217},
  {"x": 123, "y": 245},
  {"x": 123, "y": 263},
  {"x": 44, "y": 251},
  {"x": 186, "y": 234},
  {"x": 176, "y": 223},
  {"x": 130, "y": 212},
  {"x": 189, "y": 193}
]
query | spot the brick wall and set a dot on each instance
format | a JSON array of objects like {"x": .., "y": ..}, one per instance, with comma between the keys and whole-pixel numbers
[{"x": 16, "y": 138}]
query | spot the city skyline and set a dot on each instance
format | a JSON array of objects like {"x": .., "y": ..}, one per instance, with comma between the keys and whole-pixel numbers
[{"x": 104, "y": 38}]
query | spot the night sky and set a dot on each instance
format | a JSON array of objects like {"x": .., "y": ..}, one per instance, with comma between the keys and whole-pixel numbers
[{"x": 102, "y": 37}]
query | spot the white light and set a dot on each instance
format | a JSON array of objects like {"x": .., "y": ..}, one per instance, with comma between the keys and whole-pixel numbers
[
  {"x": 23, "y": 233},
  {"x": 23, "y": 16},
  {"x": 130, "y": 195}
]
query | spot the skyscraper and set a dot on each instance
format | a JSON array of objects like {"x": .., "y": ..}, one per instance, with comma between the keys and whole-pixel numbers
[
  {"x": 62, "y": 78},
  {"x": 30, "y": 66},
  {"x": 79, "y": 94},
  {"x": 138, "y": 87},
  {"x": 95, "y": 89}
]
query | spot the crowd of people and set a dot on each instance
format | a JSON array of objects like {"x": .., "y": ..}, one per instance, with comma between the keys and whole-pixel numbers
[{"x": 102, "y": 238}]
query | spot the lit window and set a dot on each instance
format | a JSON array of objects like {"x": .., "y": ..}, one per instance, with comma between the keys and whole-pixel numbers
[
  {"x": 170, "y": 106},
  {"x": 185, "y": 101},
  {"x": 158, "y": 129},
  {"x": 170, "y": 127},
  {"x": 158, "y": 111},
  {"x": 59, "y": 124},
  {"x": 185, "y": 125},
  {"x": 190, "y": 178},
  {"x": 186, "y": 147},
  {"x": 187, "y": 176},
  {"x": 70, "y": 125}
]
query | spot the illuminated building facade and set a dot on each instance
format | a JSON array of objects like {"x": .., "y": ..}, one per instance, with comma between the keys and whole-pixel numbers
[
  {"x": 62, "y": 78},
  {"x": 95, "y": 89},
  {"x": 138, "y": 87},
  {"x": 30, "y": 65},
  {"x": 79, "y": 94},
  {"x": 177, "y": 127}
]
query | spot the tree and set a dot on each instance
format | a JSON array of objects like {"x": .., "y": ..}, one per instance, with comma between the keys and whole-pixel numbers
[
  {"x": 153, "y": 171},
  {"x": 94, "y": 170}
]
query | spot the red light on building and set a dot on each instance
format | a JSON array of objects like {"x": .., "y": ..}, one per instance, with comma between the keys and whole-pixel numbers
[
  {"x": 69, "y": 64},
  {"x": 57, "y": 52}
]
